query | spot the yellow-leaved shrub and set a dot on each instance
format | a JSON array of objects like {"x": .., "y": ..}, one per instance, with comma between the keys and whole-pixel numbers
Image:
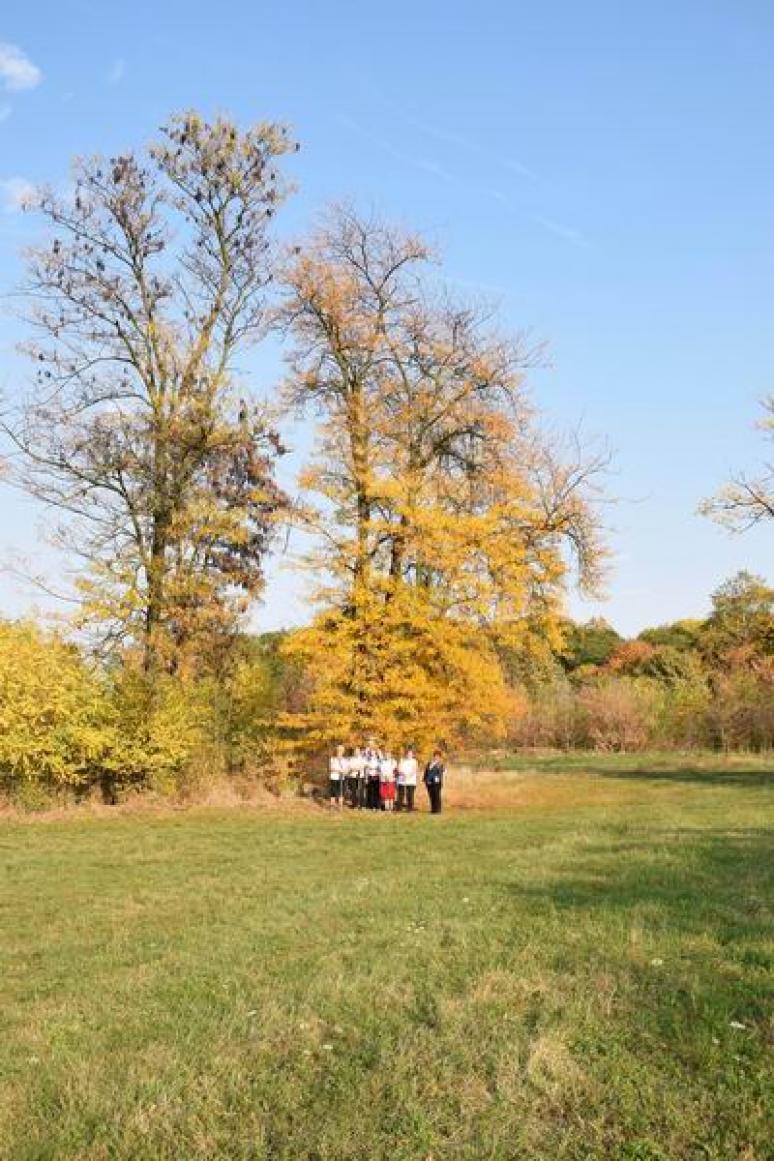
[
  {"x": 55, "y": 714},
  {"x": 68, "y": 727},
  {"x": 167, "y": 734}
]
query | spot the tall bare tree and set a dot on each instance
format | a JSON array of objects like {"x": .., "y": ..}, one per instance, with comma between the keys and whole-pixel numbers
[{"x": 136, "y": 431}]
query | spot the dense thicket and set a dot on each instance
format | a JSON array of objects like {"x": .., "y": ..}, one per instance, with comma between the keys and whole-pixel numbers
[{"x": 70, "y": 728}]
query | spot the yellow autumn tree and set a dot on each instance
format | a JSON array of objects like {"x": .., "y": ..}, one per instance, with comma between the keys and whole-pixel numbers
[
  {"x": 394, "y": 668},
  {"x": 444, "y": 521}
]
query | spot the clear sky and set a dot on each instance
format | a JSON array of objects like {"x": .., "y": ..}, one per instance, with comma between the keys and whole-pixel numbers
[{"x": 606, "y": 170}]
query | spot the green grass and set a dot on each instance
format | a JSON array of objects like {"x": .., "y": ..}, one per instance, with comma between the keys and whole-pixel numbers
[
  {"x": 649, "y": 763},
  {"x": 562, "y": 978}
]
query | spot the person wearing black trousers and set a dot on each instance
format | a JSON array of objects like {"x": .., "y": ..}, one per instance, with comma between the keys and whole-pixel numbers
[
  {"x": 433, "y": 779},
  {"x": 372, "y": 760}
]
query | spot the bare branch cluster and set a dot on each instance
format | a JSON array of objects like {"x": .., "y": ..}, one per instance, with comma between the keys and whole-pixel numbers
[{"x": 747, "y": 500}]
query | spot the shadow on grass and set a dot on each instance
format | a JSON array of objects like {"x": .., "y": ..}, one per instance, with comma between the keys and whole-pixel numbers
[
  {"x": 647, "y": 768},
  {"x": 676, "y": 926},
  {"x": 742, "y": 777},
  {"x": 717, "y": 884}
]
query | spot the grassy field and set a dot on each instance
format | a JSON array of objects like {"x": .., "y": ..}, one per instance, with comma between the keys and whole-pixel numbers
[{"x": 580, "y": 969}]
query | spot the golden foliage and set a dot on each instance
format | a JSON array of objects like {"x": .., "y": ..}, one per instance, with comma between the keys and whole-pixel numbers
[
  {"x": 400, "y": 671},
  {"x": 54, "y": 717},
  {"x": 66, "y": 726},
  {"x": 444, "y": 520}
]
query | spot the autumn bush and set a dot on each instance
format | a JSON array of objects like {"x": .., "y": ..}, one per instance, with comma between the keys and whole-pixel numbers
[
  {"x": 548, "y": 719},
  {"x": 741, "y": 713},
  {"x": 55, "y": 715},
  {"x": 694, "y": 684},
  {"x": 731, "y": 711},
  {"x": 69, "y": 729},
  {"x": 166, "y": 735},
  {"x": 617, "y": 714}
]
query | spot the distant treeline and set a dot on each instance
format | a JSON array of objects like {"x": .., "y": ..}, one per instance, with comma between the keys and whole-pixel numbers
[{"x": 705, "y": 684}]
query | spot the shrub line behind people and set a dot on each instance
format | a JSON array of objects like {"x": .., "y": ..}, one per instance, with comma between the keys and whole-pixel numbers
[{"x": 372, "y": 779}]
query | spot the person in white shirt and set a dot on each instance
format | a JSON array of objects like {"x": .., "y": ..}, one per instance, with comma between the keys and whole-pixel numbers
[
  {"x": 408, "y": 769},
  {"x": 355, "y": 779},
  {"x": 372, "y": 759},
  {"x": 337, "y": 772},
  {"x": 387, "y": 768}
]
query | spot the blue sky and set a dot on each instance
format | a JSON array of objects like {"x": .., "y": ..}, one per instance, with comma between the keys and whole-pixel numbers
[{"x": 605, "y": 170}]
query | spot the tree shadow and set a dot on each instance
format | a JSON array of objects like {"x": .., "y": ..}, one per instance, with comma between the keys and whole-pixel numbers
[
  {"x": 674, "y": 930},
  {"x": 750, "y": 777},
  {"x": 717, "y": 883}
]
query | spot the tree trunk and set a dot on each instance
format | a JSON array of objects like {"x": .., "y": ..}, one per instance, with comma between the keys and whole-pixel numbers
[{"x": 156, "y": 573}]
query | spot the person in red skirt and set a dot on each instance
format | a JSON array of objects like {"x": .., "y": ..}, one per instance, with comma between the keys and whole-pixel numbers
[{"x": 387, "y": 768}]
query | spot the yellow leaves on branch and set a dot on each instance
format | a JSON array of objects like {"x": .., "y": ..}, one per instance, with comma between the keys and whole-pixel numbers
[
  {"x": 399, "y": 671},
  {"x": 53, "y": 724},
  {"x": 445, "y": 523}
]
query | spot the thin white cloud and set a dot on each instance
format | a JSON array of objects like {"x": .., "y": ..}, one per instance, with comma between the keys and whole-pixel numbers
[
  {"x": 426, "y": 164},
  {"x": 432, "y": 167},
  {"x": 17, "y": 72},
  {"x": 16, "y": 193},
  {"x": 460, "y": 141},
  {"x": 502, "y": 198},
  {"x": 517, "y": 167},
  {"x": 566, "y": 233},
  {"x": 116, "y": 72},
  {"x": 471, "y": 146}
]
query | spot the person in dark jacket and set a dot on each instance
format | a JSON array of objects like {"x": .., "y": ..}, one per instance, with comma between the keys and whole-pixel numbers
[{"x": 433, "y": 779}]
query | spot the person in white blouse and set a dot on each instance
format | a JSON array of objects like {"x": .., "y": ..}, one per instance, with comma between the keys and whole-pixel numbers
[
  {"x": 408, "y": 769},
  {"x": 337, "y": 772},
  {"x": 356, "y": 779},
  {"x": 372, "y": 758},
  {"x": 387, "y": 768}
]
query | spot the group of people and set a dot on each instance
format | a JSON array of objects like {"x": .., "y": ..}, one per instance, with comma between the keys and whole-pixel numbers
[{"x": 373, "y": 779}]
